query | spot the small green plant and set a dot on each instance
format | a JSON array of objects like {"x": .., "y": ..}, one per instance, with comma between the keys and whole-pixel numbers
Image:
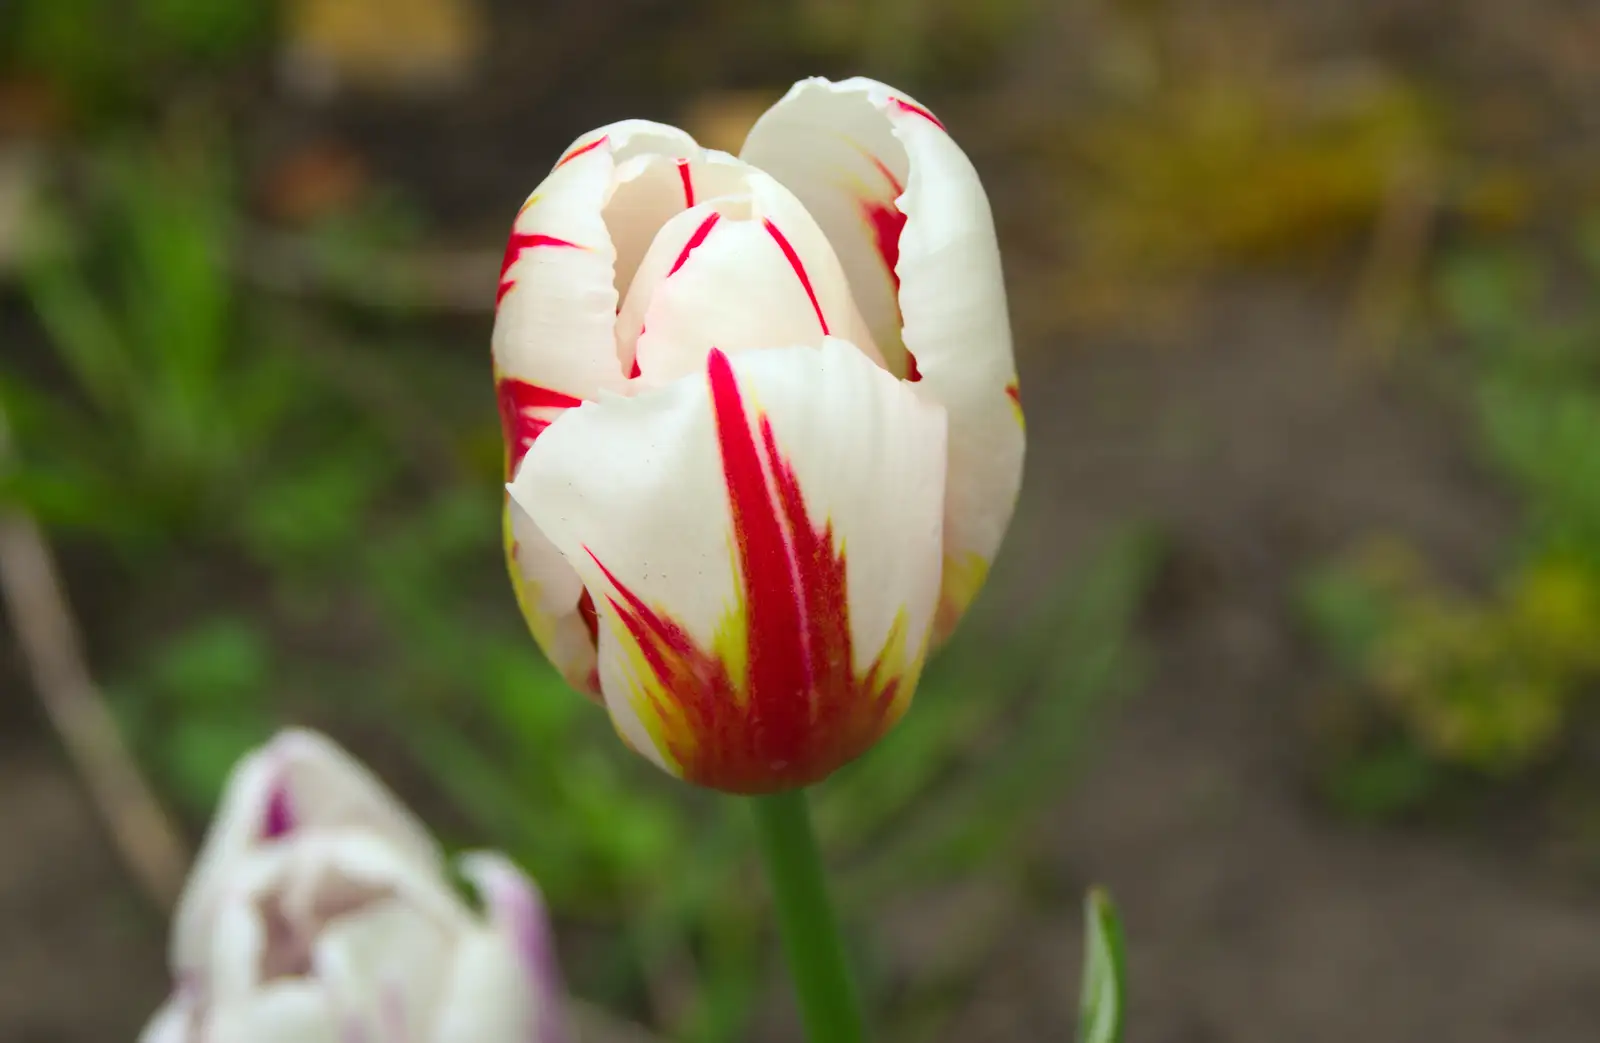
[
  {"x": 1484, "y": 684},
  {"x": 161, "y": 400}
]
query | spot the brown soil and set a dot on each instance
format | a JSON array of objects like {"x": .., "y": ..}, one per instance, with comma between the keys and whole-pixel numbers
[{"x": 1252, "y": 915}]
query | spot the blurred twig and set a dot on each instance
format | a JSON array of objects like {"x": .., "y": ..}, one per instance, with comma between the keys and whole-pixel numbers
[{"x": 52, "y": 647}]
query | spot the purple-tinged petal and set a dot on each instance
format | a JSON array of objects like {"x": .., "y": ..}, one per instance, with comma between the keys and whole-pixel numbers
[
  {"x": 516, "y": 907},
  {"x": 279, "y": 818}
]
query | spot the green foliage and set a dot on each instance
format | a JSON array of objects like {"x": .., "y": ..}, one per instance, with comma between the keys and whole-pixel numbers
[
  {"x": 1485, "y": 683},
  {"x": 164, "y": 395},
  {"x": 103, "y": 56},
  {"x": 198, "y": 701},
  {"x": 1104, "y": 992}
]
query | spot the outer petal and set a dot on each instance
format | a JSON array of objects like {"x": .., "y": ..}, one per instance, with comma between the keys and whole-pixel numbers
[
  {"x": 904, "y": 208},
  {"x": 554, "y": 338},
  {"x": 766, "y": 535},
  {"x": 558, "y": 296},
  {"x": 173, "y": 1023},
  {"x": 552, "y": 600},
  {"x": 289, "y": 1011},
  {"x": 485, "y": 997},
  {"x": 300, "y": 784},
  {"x": 519, "y": 925}
]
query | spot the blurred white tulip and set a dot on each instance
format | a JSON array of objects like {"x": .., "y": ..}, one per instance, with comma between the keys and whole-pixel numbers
[{"x": 319, "y": 911}]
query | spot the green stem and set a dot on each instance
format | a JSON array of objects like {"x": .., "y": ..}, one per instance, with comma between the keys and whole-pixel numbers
[{"x": 810, "y": 933}]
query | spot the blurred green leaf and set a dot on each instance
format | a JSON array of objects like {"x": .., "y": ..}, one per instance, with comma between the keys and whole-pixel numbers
[
  {"x": 198, "y": 753},
  {"x": 1104, "y": 991},
  {"x": 1377, "y": 784},
  {"x": 220, "y": 663}
]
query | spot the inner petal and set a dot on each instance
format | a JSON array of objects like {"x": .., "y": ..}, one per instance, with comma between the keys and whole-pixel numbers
[
  {"x": 650, "y": 190},
  {"x": 386, "y": 966},
  {"x": 741, "y": 272}
]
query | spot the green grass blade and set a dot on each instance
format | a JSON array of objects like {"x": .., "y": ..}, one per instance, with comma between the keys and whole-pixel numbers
[{"x": 1104, "y": 992}]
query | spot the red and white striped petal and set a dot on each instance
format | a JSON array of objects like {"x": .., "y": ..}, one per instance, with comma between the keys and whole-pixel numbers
[
  {"x": 557, "y": 299},
  {"x": 908, "y": 217},
  {"x": 554, "y": 339},
  {"x": 750, "y": 270},
  {"x": 763, "y": 540}
]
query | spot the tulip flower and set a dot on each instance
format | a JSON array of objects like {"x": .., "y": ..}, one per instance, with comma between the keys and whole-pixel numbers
[
  {"x": 319, "y": 912},
  {"x": 762, "y": 426}
]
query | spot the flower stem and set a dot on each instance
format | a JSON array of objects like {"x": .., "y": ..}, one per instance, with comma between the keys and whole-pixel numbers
[{"x": 806, "y": 922}]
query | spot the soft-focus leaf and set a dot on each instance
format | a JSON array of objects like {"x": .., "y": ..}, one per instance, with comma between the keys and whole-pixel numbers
[{"x": 1104, "y": 992}]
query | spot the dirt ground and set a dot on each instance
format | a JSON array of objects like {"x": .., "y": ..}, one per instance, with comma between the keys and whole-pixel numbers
[
  {"x": 1260, "y": 446},
  {"x": 1251, "y": 915}
]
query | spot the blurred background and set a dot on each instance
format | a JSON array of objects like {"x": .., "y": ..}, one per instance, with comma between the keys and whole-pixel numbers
[{"x": 1294, "y": 643}]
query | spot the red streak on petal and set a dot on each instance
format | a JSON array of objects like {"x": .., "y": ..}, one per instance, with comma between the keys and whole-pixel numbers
[
  {"x": 634, "y": 372},
  {"x": 517, "y": 399},
  {"x": 591, "y": 621},
  {"x": 581, "y": 149},
  {"x": 779, "y": 654},
  {"x": 906, "y": 106},
  {"x": 799, "y": 270},
  {"x": 688, "y": 183},
  {"x": 518, "y": 242},
  {"x": 695, "y": 240},
  {"x": 887, "y": 222},
  {"x": 801, "y": 709},
  {"x": 1014, "y": 393},
  {"x": 888, "y": 175}
]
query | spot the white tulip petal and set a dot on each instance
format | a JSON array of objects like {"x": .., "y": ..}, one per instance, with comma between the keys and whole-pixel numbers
[
  {"x": 278, "y": 902},
  {"x": 237, "y": 949},
  {"x": 743, "y": 272},
  {"x": 173, "y": 1023},
  {"x": 325, "y": 874},
  {"x": 864, "y": 158},
  {"x": 521, "y": 924},
  {"x": 651, "y": 189},
  {"x": 551, "y": 597},
  {"x": 299, "y": 783},
  {"x": 291, "y": 1011},
  {"x": 485, "y": 996},
  {"x": 578, "y": 237},
  {"x": 557, "y": 297},
  {"x": 765, "y": 654},
  {"x": 385, "y": 966}
]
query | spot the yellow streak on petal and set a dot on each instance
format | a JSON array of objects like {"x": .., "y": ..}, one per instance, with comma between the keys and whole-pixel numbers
[
  {"x": 526, "y": 591},
  {"x": 964, "y": 575}
]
